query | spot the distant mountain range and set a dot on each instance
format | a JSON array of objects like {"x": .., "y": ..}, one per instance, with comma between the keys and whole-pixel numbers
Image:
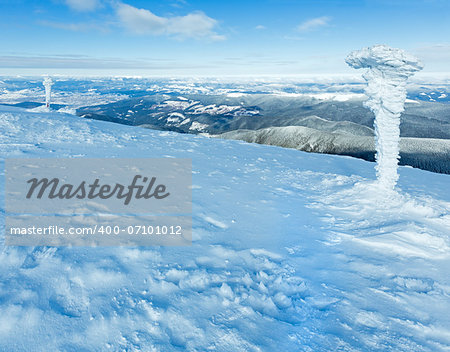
[
  {"x": 215, "y": 114},
  {"x": 424, "y": 153},
  {"x": 329, "y": 126}
]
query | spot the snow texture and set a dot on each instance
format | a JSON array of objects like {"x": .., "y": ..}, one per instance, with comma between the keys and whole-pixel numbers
[
  {"x": 388, "y": 71},
  {"x": 291, "y": 251}
]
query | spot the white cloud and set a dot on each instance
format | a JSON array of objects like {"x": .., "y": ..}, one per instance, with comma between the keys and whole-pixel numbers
[
  {"x": 75, "y": 27},
  {"x": 293, "y": 37},
  {"x": 260, "y": 26},
  {"x": 435, "y": 56},
  {"x": 178, "y": 3},
  {"x": 439, "y": 51},
  {"x": 83, "y": 5},
  {"x": 76, "y": 61},
  {"x": 313, "y": 24},
  {"x": 142, "y": 21}
]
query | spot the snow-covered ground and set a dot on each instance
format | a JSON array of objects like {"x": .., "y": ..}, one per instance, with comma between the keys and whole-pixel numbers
[{"x": 291, "y": 252}]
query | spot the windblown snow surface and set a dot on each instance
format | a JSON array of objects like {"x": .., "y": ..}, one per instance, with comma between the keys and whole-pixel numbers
[{"x": 291, "y": 252}]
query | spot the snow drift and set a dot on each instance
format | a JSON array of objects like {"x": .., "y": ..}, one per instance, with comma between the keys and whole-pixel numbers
[{"x": 388, "y": 71}]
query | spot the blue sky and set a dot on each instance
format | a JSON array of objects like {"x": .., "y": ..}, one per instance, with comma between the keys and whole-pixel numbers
[{"x": 200, "y": 37}]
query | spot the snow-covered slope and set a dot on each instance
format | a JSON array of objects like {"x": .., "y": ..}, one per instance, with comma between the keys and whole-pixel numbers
[{"x": 291, "y": 252}]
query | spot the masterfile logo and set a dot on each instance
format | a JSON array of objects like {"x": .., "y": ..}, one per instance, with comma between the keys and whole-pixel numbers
[
  {"x": 98, "y": 201},
  {"x": 111, "y": 186},
  {"x": 86, "y": 190}
]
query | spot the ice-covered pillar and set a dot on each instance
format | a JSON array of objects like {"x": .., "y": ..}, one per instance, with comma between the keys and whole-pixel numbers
[
  {"x": 388, "y": 71},
  {"x": 48, "y": 90}
]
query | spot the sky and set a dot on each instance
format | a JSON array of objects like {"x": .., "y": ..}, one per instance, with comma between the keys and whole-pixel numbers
[{"x": 214, "y": 38}]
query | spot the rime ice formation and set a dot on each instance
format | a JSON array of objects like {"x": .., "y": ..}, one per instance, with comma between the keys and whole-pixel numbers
[
  {"x": 48, "y": 90},
  {"x": 388, "y": 71}
]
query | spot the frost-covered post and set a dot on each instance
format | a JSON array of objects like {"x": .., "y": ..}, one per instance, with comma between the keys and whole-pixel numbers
[
  {"x": 48, "y": 90},
  {"x": 388, "y": 71}
]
